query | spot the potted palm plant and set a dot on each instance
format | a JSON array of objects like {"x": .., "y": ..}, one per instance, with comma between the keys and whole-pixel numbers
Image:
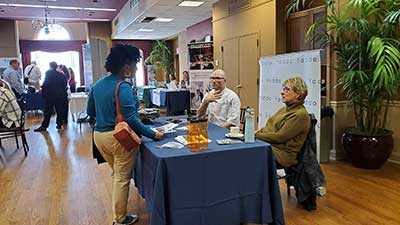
[
  {"x": 161, "y": 57},
  {"x": 366, "y": 39}
]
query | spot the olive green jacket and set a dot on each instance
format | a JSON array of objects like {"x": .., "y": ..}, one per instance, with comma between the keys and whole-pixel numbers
[{"x": 286, "y": 131}]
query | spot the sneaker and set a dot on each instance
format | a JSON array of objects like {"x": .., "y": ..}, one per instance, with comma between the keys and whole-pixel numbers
[
  {"x": 130, "y": 219},
  {"x": 40, "y": 129}
]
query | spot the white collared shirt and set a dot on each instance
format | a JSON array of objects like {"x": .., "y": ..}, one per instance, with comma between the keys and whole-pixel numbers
[{"x": 226, "y": 109}]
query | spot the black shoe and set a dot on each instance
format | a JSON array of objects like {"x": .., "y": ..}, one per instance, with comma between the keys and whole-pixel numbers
[
  {"x": 40, "y": 129},
  {"x": 130, "y": 219},
  {"x": 59, "y": 127}
]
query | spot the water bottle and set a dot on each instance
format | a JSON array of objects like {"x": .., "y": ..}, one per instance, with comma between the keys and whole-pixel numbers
[{"x": 249, "y": 126}]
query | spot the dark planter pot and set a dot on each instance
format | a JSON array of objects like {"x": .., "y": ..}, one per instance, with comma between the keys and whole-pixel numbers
[{"x": 367, "y": 151}]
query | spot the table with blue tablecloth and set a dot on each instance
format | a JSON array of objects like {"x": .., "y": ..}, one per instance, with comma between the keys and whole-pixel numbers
[
  {"x": 144, "y": 94},
  {"x": 175, "y": 101},
  {"x": 224, "y": 185},
  {"x": 34, "y": 101}
]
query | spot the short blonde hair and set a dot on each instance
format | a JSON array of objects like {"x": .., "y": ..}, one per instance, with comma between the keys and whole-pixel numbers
[{"x": 298, "y": 85}]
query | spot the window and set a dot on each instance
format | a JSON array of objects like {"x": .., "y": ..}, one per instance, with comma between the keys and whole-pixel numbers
[
  {"x": 140, "y": 71},
  {"x": 54, "y": 32},
  {"x": 69, "y": 59}
]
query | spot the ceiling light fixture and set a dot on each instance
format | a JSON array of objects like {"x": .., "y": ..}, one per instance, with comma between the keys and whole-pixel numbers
[
  {"x": 27, "y": 6},
  {"x": 47, "y": 25},
  {"x": 100, "y": 9},
  {"x": 63, "y": 7},
  {"x": 145, "y": 30},
  {"x": 191, "y": 3},
  {"x": 164, "y": 20},
  {"x": 3, "y": 4}
]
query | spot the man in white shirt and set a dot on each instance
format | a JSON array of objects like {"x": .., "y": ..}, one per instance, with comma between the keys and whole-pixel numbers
[
  {"x": 32, "y": 72},
  {"x": 221, "y": 104}
]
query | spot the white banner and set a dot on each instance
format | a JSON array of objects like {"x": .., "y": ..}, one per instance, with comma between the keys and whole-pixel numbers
[
  {"x": 274, "y": 70},
  {"x": 199, "y": 84}
]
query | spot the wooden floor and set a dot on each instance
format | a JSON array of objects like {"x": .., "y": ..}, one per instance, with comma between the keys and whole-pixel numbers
[{"x": 59, "y": 183}]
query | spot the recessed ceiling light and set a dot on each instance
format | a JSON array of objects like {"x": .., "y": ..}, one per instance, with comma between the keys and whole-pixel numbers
[
  {"x": 63, "y": 7},
  {"x": 145, "y": 30},
  {"x": 165, "y": 20},
  {"x": 191, "y": 3},
  {"x": 28, "y": 6},
  {"x": 100, "y": 9}
]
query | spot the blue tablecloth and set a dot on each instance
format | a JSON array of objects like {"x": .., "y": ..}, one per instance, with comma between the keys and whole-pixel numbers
[
  {"x": 224, "y": 185},
  {"x": 34, "y": 101}
]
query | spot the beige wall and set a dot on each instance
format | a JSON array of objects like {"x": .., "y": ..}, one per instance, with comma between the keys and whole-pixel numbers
[
  {"x": 101, "y": 30},
  {"x": 9, "y": 46},
  {"x": 78, "y": 31},
  {"x": 258, "y": 18},
  {"x": 183, "y": 52}
]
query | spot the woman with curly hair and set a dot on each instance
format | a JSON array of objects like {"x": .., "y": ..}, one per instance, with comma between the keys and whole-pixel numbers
[{"x": 121, "y": 63}]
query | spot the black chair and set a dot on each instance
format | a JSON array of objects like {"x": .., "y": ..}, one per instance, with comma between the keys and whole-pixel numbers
[
  {"x": 292, "y": 171},
  {"x": 242, "y": 118},
  {"x": 15, "y": 132},
  {"x": 298, "y": 175},
  {"x": 81, "y": 89}
]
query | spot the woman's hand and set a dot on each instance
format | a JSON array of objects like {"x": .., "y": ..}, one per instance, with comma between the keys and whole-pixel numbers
[{"x": 159, "y": 136}]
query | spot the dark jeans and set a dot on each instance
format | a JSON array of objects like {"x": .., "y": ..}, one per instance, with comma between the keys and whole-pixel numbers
[
  {"x": 59, "y": 105},
  {"x": 72, "y": 88},
  {"x": 65, "y": 110}
]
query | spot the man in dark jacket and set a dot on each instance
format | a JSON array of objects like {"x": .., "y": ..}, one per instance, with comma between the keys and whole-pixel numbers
[{"x": 54, "y": 91}]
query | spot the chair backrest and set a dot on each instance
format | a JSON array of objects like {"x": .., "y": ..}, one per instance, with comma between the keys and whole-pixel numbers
[
  {"x": 81, "y": 89},
  {"x": 242, "y": 118}
]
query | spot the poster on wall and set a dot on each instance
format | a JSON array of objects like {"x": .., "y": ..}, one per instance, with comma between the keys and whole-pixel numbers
[
  {"x": 201, "y": 65},
  {"x": 199, "y": 85},
  {"x": 274, "y": 70},
  {"x": 201, "y": 56}
]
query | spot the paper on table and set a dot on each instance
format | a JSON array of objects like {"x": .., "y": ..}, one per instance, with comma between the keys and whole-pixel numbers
[{"x": 167, "y": 128}]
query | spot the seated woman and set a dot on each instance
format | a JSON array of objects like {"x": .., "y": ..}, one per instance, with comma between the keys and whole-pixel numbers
[
  {"x": 172, "y": 85},
  {"x": 287, "y": 129}
]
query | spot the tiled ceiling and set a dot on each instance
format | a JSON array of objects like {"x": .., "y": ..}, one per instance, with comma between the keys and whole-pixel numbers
[
  {"x": 29, "y": 13},
  {"x": 183, "y": 18}
]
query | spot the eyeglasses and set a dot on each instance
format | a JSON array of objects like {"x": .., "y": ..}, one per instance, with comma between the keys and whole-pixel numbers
[
  {"x": 217, "y": 78},
  {"x": 286, "y": 89}
]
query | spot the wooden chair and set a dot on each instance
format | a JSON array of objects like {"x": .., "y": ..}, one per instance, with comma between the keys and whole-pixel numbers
[{"x": 15, "y": 132}]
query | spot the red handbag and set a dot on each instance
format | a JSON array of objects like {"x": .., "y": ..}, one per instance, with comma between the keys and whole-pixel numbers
[{"x": 122, "y": 131}]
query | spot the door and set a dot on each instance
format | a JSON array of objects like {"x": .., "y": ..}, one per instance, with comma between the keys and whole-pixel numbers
[
  {"x": 230, "y": 63},
  {"x": 249, "y": 72}
]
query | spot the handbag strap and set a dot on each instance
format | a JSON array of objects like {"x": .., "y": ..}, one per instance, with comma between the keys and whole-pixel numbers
[
  {"x": 120, "y": 117},
  {"x": 29, "y": 73}
]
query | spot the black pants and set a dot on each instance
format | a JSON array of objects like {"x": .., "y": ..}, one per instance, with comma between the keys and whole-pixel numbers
[
  {"x": 65, "y": 110},
  {"x": 59, "y": 105}
]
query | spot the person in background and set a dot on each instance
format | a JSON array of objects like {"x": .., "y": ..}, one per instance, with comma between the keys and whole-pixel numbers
[
  {"x": 121, "y": 63},
  {"x": 185, "y": 80},
  {"x": 221, "y": 105},
  {"x": 10, "y": 112},
  {"x": 64, "y": 70},
  {"x": 172, "y": 85},
  {"x": 34, "y": 75},
  {"x": 54, "y": 91},
  {"x": 11, "y": 75},
  {"x": 152, "y": 82},
  {"x": 72, "y": 81},
  {"x": 287, "y": 129}
]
